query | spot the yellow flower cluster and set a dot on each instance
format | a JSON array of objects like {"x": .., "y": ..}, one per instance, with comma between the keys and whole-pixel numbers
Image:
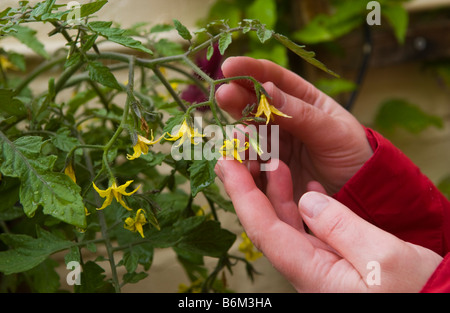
[
  {"x": 231, "y": 148},
  {"x": 135, "y": 224},
  {"x": 268, "y": 110}
]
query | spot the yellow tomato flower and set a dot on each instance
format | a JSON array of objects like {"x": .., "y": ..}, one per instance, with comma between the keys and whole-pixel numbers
[
  {"x": 69, "y": 171},
  {"x": 232, "y": 148},
  {"x": 116, "y": 192},
  {"x": 185, "y": 133},
  {"x": 141, "y": 146},
  {"x": 195, "y": 287},
  {"x": 247, "y": 248},
  {"x": 267, "y": 109},
  {"x": 135, "y": 224},
  {"x": 6, "y": 64}
]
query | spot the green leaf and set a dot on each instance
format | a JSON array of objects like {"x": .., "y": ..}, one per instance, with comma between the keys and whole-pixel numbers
[
  {"x": 173, "y": 121},
  {"x": 264, "y": 34},
  {"x": 117, "y": 35},
  {"x": 265, "y": 11},
  {"x": 27, "y": 36},
  {"x": 90, "y": 8},
  {"x": 101, "y": 74},
  {"x": 9, "y": 104},
  {"x": 208, "y": 239},
  {"x": 225, "y": 41},
  {"x": 40, "y": 186},
  {"x": 130, "y": 43},
  {"x": 73, "y": 255},
  {"x": 182, "y": 30},
  {"x": 333, "y": 87},
  {"x": 18, "y": 60},
  {"x": 210, "y": 52},
  {"x": 65, "y": 141},
  {"x": 42, "y": 8},
  {"x": 130, "y": 261},
  {"x": 401, "y": 113},
  {"x": 9, "y": 196},
  {"x": 93, "y": 279},
  {"x": 347, "y": 15},
  {"x": 212, "y": 193},
  {"x": 201, "y": 175},
  {"x": 133, "y": 278},
  {"x": 308, "y": 56},
  {"x": 160, "y": 28},
  {"x": 398, "y": 18},
  {"x": 43, "y": 278},
  {"x": 27, "y": 252}
]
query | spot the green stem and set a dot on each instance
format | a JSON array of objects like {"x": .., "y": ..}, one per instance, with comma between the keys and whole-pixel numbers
[
  {"x": 38, "y": 71},
  {"x": 109, "y": 250},
  {"x": 169, "y": 88},
  {"x": 227, "y": 80},
  {"x": 194, "y": 79},
  {"x": 66, "y": 75}
]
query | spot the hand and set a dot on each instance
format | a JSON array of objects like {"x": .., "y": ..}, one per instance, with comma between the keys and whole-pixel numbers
[
  {"x": 321, "y": 142},
  {"x": 335, "y": 259}
]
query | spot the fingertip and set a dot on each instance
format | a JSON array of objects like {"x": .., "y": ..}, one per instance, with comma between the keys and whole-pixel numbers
[
  {"x": 220, "y": 93},
  {"x": 315, "y": 186},
  {"x": 228, "y": 64},
  {"x": 313, "y": 203}
]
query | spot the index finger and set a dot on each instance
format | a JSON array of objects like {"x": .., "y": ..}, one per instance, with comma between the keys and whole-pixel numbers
[
  {"x": 267, "y": 71},
  {"x": 261, "y": 222}
]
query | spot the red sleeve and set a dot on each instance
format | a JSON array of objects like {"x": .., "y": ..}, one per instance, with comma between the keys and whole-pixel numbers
[
  {"x": 439, "y": 282},
  {"x": 391, "y": 192}
]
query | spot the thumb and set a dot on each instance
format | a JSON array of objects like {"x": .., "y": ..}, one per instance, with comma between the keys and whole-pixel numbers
[{"x": 356, "y": 240}]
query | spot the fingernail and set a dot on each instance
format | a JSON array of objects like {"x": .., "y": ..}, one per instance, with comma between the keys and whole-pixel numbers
[{"x": 313, "y": 203}]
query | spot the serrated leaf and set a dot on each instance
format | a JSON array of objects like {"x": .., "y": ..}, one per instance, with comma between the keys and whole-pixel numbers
[
  {"x": 225, "y": 41},
  {"x": 117, "y": 35},
  {"x": 102, "y": 75},
  {"x": 27, "y": 252},
  {"x": 182, "y": 30},
  {"x": 202, "y": 175},
  {"x": 210, "y": 52},
  {"x": 40, "y": 186},
  {"x": 93, "y": 279},
  {"x": 64, "y": 140},
  {"x": 130, "y": 43},
  {"x": 133, "y": 278},
  {"x": 208, "y": 239},
  {"x": 91, "y": 8},
  {"x": 42, "y": 8},
  {"x": 173, "y": 121},
  {"x": 27, "y": 36},
  {"x": 308, "y": 56},
  {"x": 264, "y": 34},
  {"x": 9, "y": 104}
]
